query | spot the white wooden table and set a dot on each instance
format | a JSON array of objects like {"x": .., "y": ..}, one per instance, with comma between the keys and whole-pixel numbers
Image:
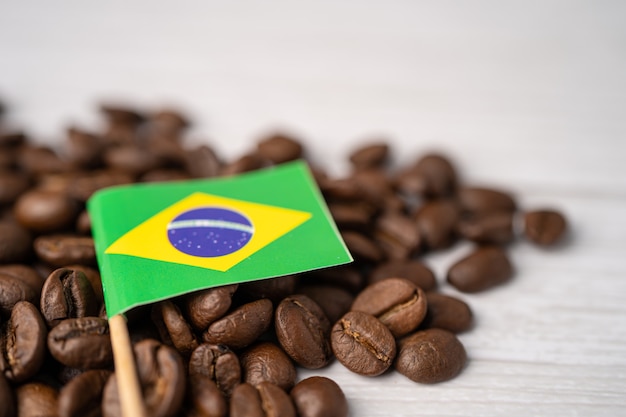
[{"x": 525, "y": 95}]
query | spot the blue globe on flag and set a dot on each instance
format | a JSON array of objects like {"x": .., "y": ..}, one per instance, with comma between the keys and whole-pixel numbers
[{"x": 209, "y": 232}]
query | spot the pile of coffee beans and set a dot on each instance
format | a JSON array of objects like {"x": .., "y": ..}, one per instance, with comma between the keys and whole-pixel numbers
[{"x": 235, "y": 350}]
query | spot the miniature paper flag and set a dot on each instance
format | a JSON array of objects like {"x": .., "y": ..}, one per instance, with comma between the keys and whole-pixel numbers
[{"x": 160, "y": 240}]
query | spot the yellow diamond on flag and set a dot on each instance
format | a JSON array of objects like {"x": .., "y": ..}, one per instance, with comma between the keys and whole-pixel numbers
[{"x": 208, "y": 231}]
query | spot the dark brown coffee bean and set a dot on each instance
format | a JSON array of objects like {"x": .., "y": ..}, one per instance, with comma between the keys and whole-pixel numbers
[
  {"x": 82, "y": 396},
  {"x": 373, "y": 155},
  {"x": 40, "y": 160},
  {"x": 162, "y": 378},
  {"x": 415, "y": 271},
  {"x": 544, "y": 227},
  {"x": 83, "y": 149},
  {"x": 378, "y": 189},
  {"x": 430, "y": 356},
  {"x": 36, "y": 399},
  {"x": 163, "y": 175},
  {"x": 274, "y": 289},
  {"x": 489, "y": 228},
  {"x": 341, "y": 189},
  {"x": 396, "y": 302},
  {"x": 45, "y": 211},
  {"x": 169, "y": 122},
  {"x": 82, "y": 343},
  {"x": 303, "y": 331},
  {"x": 173, "y": 327},
  {"x": 202, "y": 162},
  {"x": 350, "y": 215},
  {"x": 15, "y": 243},
  {"x": 279, "y": 148},
  {"x": 245, "y": 163},
  {"x": 218, "y": 363},
  {"x": 484, "y": 268},
  {"x": 83, "y": 187},
  {"x": 130, "y": 159},
  {"x": 119, "y": 114},
  {"x": 67, "y": 294},
  {"x": 266, "y": 361},
  {"x": 363, "y": 344},
  {"x": 242, "y": 326},
  {"x": 22, "y": 343},
  {"x": 204, "y": 398},
  {"x": 264, "y": 400},
  {"x": 93, "y": 276},
  {"x": 18, "y": 283},
  {"x": 361, "y": 247},
  {"x": 7, "y": 398},
  {"x": 12, "y": 139},
  {"x": 319, "y": 396},
  {"x": 432, "y": 176},
  {"x": 62, "y": 250},
  {"x": 478, "y": 200},
  {"x": 436, "y": 222},
  {"x": 204, "y": 307},
  {"x": 347, "y": 277},
  {"x": 83, "y": 223},
  {"x": 397, "y": 235},
  {"x": 448, "y": 313},
  {"x": 333, "y": 300},
  {"x": 12, "y": 185}
]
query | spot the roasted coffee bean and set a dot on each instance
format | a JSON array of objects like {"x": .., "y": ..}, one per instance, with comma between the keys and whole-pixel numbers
[
  {"x": 22, "y": 343},
  {"x": 432, "y": 176},
  {"x": 319, "y": 396},
  {"x": 12, "y": 185},
  {"x": 67, "y": 294},
  {"x": 397, "y": 235},
  {"x": 448, "y": 313},
  {"x": 36, "y": 399},
  {"x": 263, "y": 400},
  {"x": 489, "y": 228},
  {"x": 341, "y": 189},
  {"x": 40, "y": 160},
  {"x": 363, "y": 344},
  {"x": 163, "y": 175},
  {"x": 303, "y": 331},
  {"x": 119, "y": 114},
  {"x": 415, "y": 271},
  {"x": 377, "y": 189},
  {"x": 246, "y": 163},
  {"x": 15, "y": 243},
  {"x": 44, "y": 211},
  {"x": 218, "y": 363},
  {"x": 82, "y": 396},
  {"x": 169, "y": 122},
  {"x": 242, "y": 326},
  {"x": 173, "y": 327},
  {"x": 83, "y": 187},
  {"x": 130, "y": 159},
  {"x": 334, "y": 301},
  {"x": 347, "y": 277},
  {"x": 350, "y": 215},
  {"x": 83, "y": 223},
  {"x": 361, "y": 247},
  {"x": 396, "y": 302},
  {"x": 279, "y": 148},
  {"x": 266, "y": 361},
  {"x": 82, "y": 343},
  {"x": 93, "y": 276},
  {"x": 18, "y": 283},
  {"x": 480, "y": 200},
  {"x": 206, "y": 306},
  {"x": 373, "y": 155},
  {"x": 204, "y": 399},
  {"x": 83, "y": 149},
  {"x": 7, "y": 398},
  {"x": 544, "y": 227},
  {"x": 430, "y": 356},
  {"x": 484, "y": 268},
  {"x": 202, "y": 162},
  {"x": 162, "y": 378},
  {"x": 436, "y": 222},
  {"x": 61, "y": 250},
  {"x": 274, "y": 289}
]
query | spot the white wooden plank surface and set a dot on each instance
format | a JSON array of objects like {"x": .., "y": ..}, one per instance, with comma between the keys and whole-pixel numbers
[{"x": 525, "y": 95}]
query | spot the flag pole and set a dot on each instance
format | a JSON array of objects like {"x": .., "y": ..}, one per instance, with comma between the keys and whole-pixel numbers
[{"x": 128, "y": 386}]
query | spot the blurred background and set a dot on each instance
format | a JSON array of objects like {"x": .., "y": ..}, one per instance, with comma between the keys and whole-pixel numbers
[{"x": 508, "y": 86}]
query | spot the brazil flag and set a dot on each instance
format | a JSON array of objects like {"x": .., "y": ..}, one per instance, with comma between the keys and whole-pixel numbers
[{"x": 156, "y": 241}]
